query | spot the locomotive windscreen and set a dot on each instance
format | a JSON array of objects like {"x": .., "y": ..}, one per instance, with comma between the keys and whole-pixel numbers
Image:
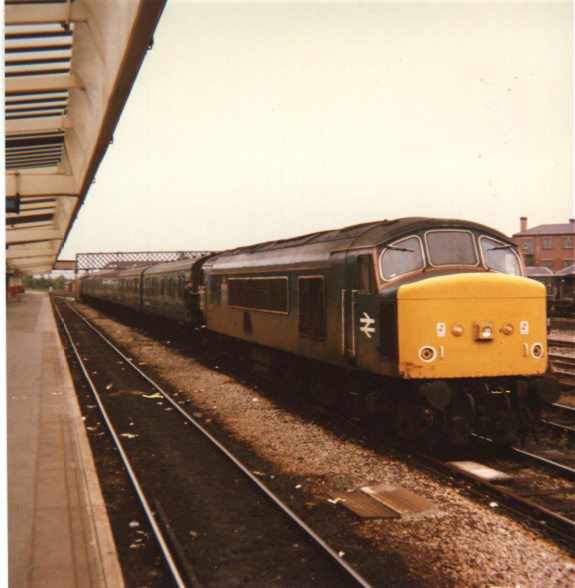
[{"x": 451, "y": 248}]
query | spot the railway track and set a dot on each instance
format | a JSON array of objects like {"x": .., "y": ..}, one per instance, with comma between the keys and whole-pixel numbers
[
  {"x": 528, "y": 491},
  {"x": 561, "y": 417},
  {"x": 212, "y": 518},
  {"x": 563, "y": 367},
  {"x": 564, "y": 341}
]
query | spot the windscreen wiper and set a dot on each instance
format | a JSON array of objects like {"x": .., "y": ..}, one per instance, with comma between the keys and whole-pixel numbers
[
  {"x": 501, "y": 247},
  {"x": 399, "y": 248}
]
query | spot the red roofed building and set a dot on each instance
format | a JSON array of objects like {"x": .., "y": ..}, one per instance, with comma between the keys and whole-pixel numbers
[{"x": 551, "y": 246}]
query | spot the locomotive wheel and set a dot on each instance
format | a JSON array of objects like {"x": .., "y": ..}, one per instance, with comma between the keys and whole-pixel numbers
[{"x": 415, "y": 423}]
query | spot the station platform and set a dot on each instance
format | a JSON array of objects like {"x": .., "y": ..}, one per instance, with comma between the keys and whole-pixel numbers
[{"x": 59, "y": 533}]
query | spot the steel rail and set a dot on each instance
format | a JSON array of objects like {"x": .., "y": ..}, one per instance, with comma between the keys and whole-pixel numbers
[
  {"x": 139, "y": 491},
  {"x": 551, "y": 342},
  {"x": 566, "y": 360},
  {"x": 567, "y": 411},
  {"x": 562, "y": 410},
  {"x": 297, "y": 520},
  {"x": 564, "y": 407},
  {"x": 560, "y": 426},
  {"x": 514, "y": 496},
  {"x": 562, "y": 469}
]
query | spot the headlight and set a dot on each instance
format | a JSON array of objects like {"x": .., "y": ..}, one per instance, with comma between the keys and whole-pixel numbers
[
  {"x": 537, "y": 350},
  {"x": 483, "y": 331}
]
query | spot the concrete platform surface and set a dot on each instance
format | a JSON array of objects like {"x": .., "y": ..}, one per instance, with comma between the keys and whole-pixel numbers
[{"x": 59, "y": 533}]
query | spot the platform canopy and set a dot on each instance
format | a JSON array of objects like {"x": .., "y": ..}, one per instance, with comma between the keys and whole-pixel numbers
[{"x": 69, "y": 68}]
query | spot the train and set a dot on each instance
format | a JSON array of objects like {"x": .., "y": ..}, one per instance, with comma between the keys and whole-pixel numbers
[{"x": 430, "y": 321}]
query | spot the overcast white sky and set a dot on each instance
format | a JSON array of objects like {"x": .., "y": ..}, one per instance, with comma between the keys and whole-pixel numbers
[{"x": 251, "y": 122}]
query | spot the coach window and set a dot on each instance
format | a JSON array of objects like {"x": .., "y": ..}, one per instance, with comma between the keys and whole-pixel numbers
[
  {"x": 449, "y": 247},
  {"x": 401, "y": 257},
  {"x": 499, "y": 256},
  {"x": 312, "y": 315}
]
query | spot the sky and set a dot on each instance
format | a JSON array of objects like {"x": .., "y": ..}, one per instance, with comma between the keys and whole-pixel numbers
[{"x": 253, "y": 122}]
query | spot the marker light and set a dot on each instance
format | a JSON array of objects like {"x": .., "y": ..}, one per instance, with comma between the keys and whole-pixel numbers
[
  {"x": 457, "y": 330},
  {"x": 507, "y": 329}
]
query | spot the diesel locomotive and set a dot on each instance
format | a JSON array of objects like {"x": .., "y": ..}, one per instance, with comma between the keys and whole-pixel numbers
[{"x": 436, "y": 313}]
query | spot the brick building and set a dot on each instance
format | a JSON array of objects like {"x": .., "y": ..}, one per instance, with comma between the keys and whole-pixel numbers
[{"x": 551, "y": 246}]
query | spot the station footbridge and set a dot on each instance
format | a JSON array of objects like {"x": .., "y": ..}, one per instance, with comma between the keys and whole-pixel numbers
[{"x": 69, "y": 68}]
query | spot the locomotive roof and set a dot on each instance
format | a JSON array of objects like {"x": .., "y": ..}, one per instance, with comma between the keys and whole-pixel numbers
[
  {"x": 366, "y": 234},
  {"x": 317, "y": 247}
]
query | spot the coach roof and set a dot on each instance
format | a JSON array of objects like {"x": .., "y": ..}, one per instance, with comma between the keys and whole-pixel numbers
[{"x": 181, "y": 265}]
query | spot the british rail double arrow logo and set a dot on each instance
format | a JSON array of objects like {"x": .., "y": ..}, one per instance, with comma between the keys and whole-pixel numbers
[{"x": 366, "y": 321}]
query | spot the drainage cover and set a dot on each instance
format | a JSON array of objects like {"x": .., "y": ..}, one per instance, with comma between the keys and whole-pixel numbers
[
  {"x": 366, "y": 507},
  {"x": 400, "y": 500}
]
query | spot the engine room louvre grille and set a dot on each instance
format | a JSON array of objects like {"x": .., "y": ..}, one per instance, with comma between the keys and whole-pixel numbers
[
  {"x": 312, "y": 308},
  {"x": 259, "y": 293}
]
